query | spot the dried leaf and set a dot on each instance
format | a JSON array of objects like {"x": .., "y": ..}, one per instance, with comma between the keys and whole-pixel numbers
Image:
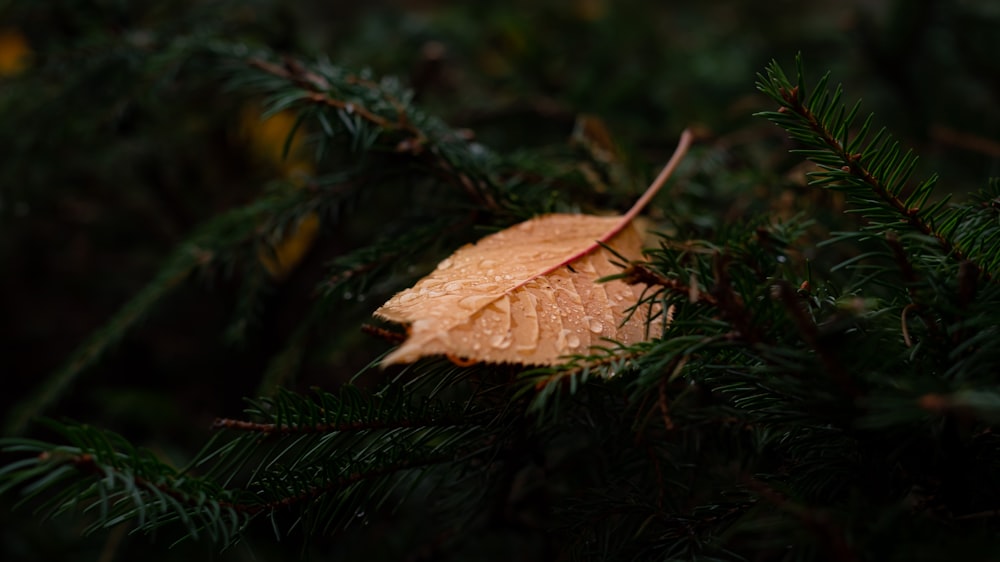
[{"x": 528, "y": 294}]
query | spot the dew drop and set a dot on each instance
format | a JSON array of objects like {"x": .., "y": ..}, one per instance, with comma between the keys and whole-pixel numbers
[
  {"x": 453, "y": 286},
  {"x": 445, "y": 264},
  {"x": 561, "y": 340},
  {"x": 487, "y": 263},
  {"x": 595, "y": 325},
  {"x": 501, "y": 341},
  {"x": 573, "y": 340},
  {"x": 407, "y": 297}
]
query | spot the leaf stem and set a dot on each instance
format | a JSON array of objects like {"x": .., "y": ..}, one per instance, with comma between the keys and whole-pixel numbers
[{"x": 682, "y": 147}]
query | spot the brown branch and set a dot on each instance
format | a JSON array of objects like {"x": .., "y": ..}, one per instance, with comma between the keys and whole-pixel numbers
[
  {"x": 968, "y": 281},
  {"x": 816, "y": 520},
  {"x": 989, "y": 513},
  {"x": 391, "y": 336},
  {"x": 476, "y": 189},
  {"x": 87, "y": 464},
  {"x": 910, "y": 279},
  {"x": 664, "y": 407},
  {"x": 722, "y": 295},
  {"x": 351, "y": 107},
  {"x": 637, "y": 273},
  {"x": 967, "y": 141},
  {"x": 730, "y": 304},
  {"x": 904, "y": 326},
  {"x": 319, "y": 93},
  {"x": 318, "y": 89},
  {"x": 810, "y": 334},
  {"x": 294, "y": 429},
  {"x": 313, "y": 491}
]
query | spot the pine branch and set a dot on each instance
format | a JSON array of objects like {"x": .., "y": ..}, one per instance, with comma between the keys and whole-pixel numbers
[
  {"x": 372, "y": 112},
  {"x": 325, "y": 455},
  {"x": 873, "y": 171},
  {"x": 101, "y": 473}
]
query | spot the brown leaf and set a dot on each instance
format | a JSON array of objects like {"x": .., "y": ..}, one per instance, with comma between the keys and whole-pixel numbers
[{"x": 527, "y": 294}]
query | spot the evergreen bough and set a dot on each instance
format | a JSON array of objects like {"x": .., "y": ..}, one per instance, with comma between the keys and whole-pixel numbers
[{"x": 795, "y": 408}]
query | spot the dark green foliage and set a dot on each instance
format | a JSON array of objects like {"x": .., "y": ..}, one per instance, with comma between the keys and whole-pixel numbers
[
  {"x": 826, "y": 387},
  {"x": 342, "y": 455}
]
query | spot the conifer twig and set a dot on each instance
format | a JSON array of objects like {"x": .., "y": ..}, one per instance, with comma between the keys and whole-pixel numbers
[
  {"x": 334, "y": 485},
  {"x": 730, "y": 303},
  {"x": 637, "y": 273},
  {"x": 881, "y": 170},
  {"x": 367, "y": 425},
  {"x": 810, "y": 334},
  {"x": 819, "y": 522},
  {"x": 318, "y": 92},
  {"x": 87, "y": 464},
  {"x": 854, "y": 165},
  {"x": 909, "y": 275},
  {"x": 318, "y": 86}
]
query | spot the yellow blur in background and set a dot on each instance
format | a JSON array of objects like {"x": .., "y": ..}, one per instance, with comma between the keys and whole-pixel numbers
[
  {"x": 15, "y": 53},
  {"x": 266, "y": 140}
]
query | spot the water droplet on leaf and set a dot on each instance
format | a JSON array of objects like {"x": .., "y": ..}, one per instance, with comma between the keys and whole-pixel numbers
[{"x": 501, "y": 341}]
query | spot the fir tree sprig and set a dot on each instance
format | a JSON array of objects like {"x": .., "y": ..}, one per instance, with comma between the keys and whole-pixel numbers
[
  {"x": 329, "y": 454},
  {"x": 103, "y": 475},
  {"x": 873, "y": 169},
  {"x": 375, "y": 115}
]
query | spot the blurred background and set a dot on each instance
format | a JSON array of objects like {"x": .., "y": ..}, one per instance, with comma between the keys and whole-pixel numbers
[{"x": 115, "y": 143}]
